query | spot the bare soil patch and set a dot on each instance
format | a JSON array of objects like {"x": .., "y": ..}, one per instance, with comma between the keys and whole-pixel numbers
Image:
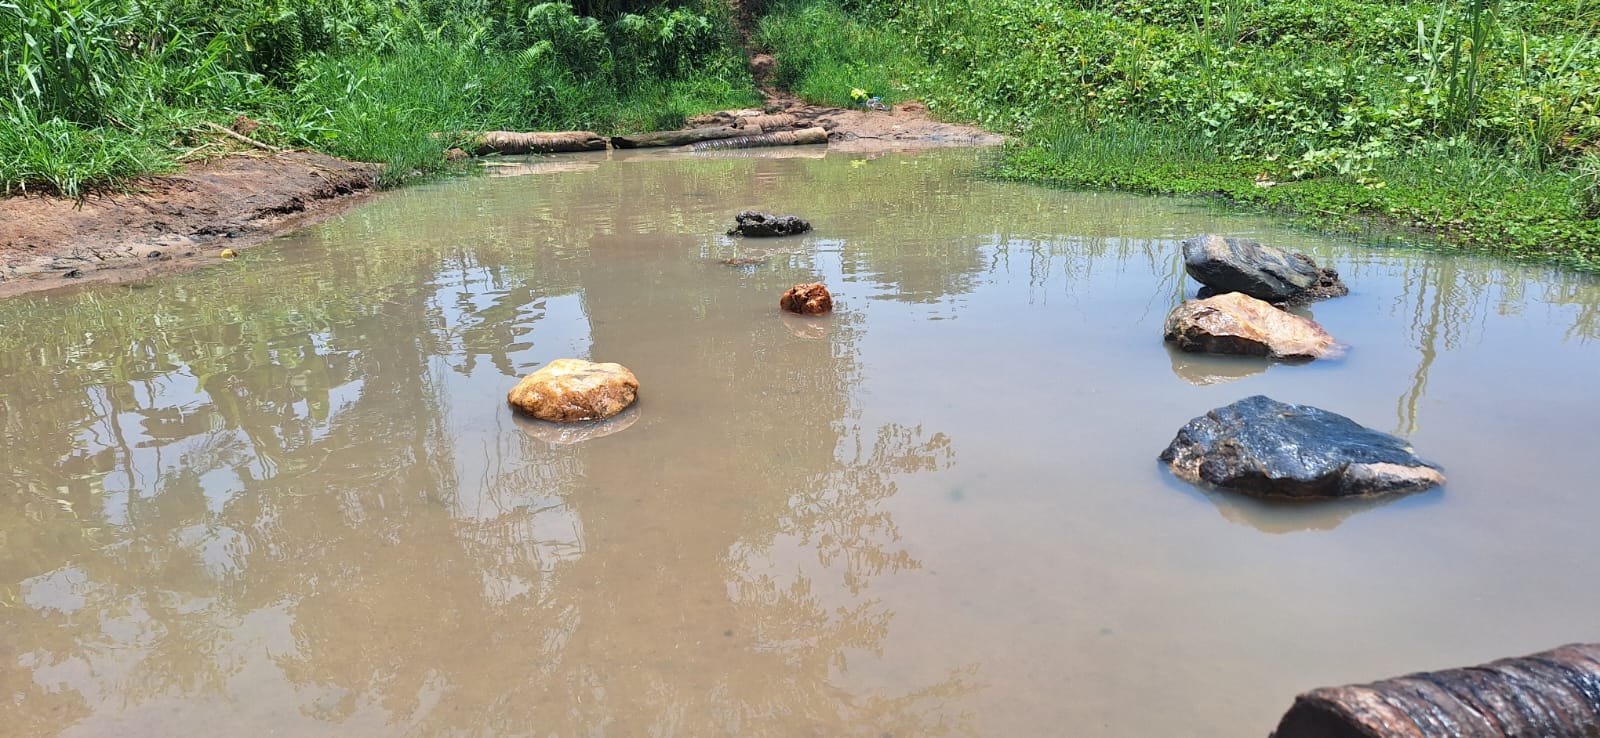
[
  {"x": 171, "y": 223},
  {"x": 906, "y": 126}
]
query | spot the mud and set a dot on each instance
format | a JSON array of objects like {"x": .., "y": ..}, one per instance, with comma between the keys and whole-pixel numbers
[{"x": 171, "y": 223}]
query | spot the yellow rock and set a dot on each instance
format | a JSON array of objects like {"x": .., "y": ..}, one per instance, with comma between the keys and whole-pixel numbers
[{"x": 567, "y": 390}]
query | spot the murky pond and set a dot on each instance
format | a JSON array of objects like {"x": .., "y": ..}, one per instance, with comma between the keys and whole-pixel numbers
[{"x": 284, "y": 496}]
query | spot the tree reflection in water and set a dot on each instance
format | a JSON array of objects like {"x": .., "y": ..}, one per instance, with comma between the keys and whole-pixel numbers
[{"x": 280, "y": 503}]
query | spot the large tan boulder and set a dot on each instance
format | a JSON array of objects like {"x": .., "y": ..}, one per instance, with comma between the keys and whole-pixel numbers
[
  {"x": 568, "y": 390},
  {"x": 1235, "y": 323},
  {"x": 807, "y": 299}
]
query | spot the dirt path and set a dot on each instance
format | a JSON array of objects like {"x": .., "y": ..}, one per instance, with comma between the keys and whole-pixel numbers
[
  {"x": 177, "y": 222},
  {"x": 906, "y": 126}
]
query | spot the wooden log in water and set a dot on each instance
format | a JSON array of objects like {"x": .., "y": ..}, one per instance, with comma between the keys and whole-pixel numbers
[
  {"x": 679, "y": 138},
  {"x": 776, "y": 138},
  {"x": 546, "y": 142},
  {"x": 1553, "y": 694}
]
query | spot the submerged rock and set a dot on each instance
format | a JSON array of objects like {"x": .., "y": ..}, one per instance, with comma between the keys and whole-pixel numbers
[
  {"x": 1236, "y": 323},
  {"x": 759, "y": 224},
  {"x": 807, "y": 299},
  {"x": 1267, "y": 448},
  {"x": 567, "y": 390},
  {"x": 1263, "y": 272}
]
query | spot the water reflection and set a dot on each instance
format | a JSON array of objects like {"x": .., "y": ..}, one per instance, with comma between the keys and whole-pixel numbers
[
  {"x": 1288, "y": 516},
  {"x": 284, "y": 475},
  {"x": 286, "y": 495},
  {"x": 1206, "y": 369}
]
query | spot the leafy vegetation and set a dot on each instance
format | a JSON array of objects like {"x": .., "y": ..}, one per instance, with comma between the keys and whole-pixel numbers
[
  {"x": 1474, "y": 118},
  {"x": 95, "y": 91}
]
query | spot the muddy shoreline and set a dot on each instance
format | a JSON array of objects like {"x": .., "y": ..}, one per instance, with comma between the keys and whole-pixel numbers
[
  {"x": 174, "y": 223},
  {"x": 171, "y": 223}
]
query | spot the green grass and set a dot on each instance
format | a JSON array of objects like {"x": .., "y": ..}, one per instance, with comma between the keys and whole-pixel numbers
[
  {"x": 93, "y": 92},
  {"x": 58, "y": 157},
  {"x": 1478, "y": 120}
]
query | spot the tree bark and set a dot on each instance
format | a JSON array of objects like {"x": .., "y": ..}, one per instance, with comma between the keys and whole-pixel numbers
[
  {"x": 1553, "y": 694},
  {"x": 679, "y": 138},
  {"x": 513, "y": 143}
]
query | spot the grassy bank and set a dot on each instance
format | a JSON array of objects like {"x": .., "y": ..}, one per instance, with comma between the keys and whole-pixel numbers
[
  {"x": 1476, "y": 119},
  {"x": 95, "y": 91}
]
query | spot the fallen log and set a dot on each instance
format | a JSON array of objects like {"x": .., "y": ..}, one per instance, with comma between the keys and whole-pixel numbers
[
  {"x": 776, "y": 138},
  {"x": 679, "y": 138},
  {"x": 512, "y": 143},
  {"x": 765, "y": 122},
  {"x": 1554, "y": 694}
]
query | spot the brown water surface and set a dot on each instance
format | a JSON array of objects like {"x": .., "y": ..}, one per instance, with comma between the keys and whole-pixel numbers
[{"x": 285, "y": 497}]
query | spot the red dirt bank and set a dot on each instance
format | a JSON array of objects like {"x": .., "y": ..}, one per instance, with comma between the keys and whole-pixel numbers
[{"x": 171, "y": 223}]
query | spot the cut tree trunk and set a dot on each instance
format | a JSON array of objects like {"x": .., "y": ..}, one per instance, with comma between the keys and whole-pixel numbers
[
  {"x": 512, "y": 143},
  {"x": 1554, "y": 694},
  {"x": 776, "y": 138},
  {"x": 765, "y": 122},
  {"x": 679, "y": 138}
]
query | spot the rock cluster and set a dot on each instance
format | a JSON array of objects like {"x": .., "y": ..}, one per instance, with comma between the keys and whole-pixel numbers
[
  {"x": 761, "y": 225},
  {"x": 807, "y": 299},
  {"x": 568, "y": 390},
  {"x": 1258, "y": 445},
  {"x": 1264, "y": 447}
]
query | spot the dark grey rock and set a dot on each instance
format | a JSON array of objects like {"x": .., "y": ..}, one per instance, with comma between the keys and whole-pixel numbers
[
  {"x": 758, "y": 224},
  {"x": 1267, "y": 448},
  {"x": 1263, "y": 272}
]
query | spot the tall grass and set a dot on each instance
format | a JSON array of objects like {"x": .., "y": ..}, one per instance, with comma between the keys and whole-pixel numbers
[
  {"x": 367, "y": 79},
  {"x": 57, "y": 156}
]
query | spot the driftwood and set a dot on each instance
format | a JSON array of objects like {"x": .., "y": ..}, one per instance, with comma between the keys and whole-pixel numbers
[
  {"x": 765, "y": 122},
  {"x": 242, "y": 139},
  {"x": 776, "y": 138},
  {"x": 679, "y": 138},
  {"x": 512, "y": 143},
  {"x": 1554, "y": 694}
]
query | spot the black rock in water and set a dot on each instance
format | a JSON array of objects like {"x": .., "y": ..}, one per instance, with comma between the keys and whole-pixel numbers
[
  {"x": 758, "y": 224},
  {"x": 1267, "y": 448},
  {"x": 1263, "y": 272}
]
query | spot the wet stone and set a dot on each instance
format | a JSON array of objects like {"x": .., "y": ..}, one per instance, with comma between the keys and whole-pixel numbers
[
  {"x": 1263, "y": 447},
  {"x": 568, "y": 390},
  {"x": 765, "y": 225},
  {"x": 1235, "y": 323},
  {"x": 1266, "y": 273},
  {"x": 807, "y": 299}
]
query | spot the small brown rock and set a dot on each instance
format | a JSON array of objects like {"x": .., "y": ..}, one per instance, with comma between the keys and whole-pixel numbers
[
  {"x": 567, "y": 390},
  {"x": 807, "y": 299},
  {"x": 1235, "y": 323}
]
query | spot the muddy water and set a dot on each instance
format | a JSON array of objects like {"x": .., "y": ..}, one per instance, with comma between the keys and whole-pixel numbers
[{"x": 284, "y": 495}]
